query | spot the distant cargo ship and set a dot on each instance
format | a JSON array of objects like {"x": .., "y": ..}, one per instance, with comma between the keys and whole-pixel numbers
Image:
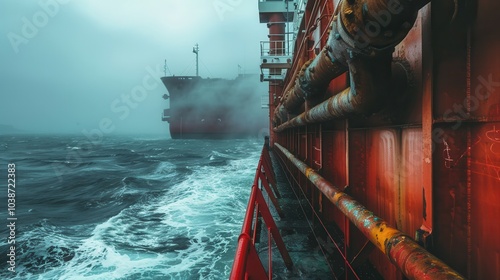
[{"x": 214, "y": 108}]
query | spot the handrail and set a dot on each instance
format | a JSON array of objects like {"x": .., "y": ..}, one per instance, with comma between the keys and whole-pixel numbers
[
  {"x": 247, "y": 264},
  {"x": 411, "y": 259},
  {"x": 276, "y": 48}
]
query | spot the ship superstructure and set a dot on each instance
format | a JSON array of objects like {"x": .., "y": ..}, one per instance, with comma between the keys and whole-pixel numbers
[{"x": 385, "y": 115}]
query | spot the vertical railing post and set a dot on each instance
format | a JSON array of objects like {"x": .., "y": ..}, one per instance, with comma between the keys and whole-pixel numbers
[
  {"x": 247, "y": 264},
  {"x": 270, "y": 253}
]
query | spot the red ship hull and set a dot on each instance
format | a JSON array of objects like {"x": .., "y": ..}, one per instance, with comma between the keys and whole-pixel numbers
[{"x": 387, "y": 122}]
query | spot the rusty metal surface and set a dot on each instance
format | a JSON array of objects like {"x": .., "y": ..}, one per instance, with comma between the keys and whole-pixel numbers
[
  {"x": 313, "y": 80},
  {"x": 366, "y": 96},
  {"x": 425, "y": 89},
  {"x": 352, "y": 45},
  {"x": 466, "y": 115},
  {"x": 410, "y": 214},
  {"x": 396, "y": 162},
  {"x": 468, "y": 164},
  {"x": 381, "y": 184},
  {"x": 485, "y": 61},
  {"x": 467, "y": 46},
  {"x": 378, "y": 23},
  {"x": 484, "y": 169},
  {"x": 335, "y": 170},
  {"x": 410, "y": 258},
  {"x": 484, "y": 162}
]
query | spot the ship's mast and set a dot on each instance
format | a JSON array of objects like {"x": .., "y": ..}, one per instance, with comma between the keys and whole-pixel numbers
[
  {"x": 196, "y": 49},
  {"x": 165, "y": 68}
]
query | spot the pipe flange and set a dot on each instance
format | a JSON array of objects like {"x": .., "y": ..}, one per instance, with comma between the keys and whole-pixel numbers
[
  {"x": 407, "y": 69},
  {"x": 368, "y": 31},
  {"x": 359, "y": 47}
]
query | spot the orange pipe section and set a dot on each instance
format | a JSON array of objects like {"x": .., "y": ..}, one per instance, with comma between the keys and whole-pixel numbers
[{"x": 414, "y": 261}]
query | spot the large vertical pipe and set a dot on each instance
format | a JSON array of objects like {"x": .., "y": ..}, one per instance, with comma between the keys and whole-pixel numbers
[{"x": 276, "y": 27}]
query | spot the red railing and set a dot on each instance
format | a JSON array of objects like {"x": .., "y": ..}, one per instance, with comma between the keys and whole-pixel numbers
[{"x": 247, "y": 263}]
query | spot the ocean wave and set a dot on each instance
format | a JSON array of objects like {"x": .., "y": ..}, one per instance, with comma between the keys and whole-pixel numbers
[{"x": 173, "y": 211}]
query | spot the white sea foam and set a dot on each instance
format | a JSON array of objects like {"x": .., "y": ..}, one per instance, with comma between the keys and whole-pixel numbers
[{"x": 165, "y": 168}]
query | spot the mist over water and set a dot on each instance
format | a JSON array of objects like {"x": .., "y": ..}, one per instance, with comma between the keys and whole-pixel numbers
[
  {"x": 66, "y": 65},
  {"x": 96, "y": 205},
  {"x": 234, "y": 105},
  {"x": 133, "y": 208}
]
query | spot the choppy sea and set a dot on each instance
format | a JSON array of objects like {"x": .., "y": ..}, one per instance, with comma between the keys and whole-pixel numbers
[{"x": 125, "y": 207}]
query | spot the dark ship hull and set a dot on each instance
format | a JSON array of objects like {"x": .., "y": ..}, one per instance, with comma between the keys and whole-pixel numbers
[{"x": 214, "y": 108}]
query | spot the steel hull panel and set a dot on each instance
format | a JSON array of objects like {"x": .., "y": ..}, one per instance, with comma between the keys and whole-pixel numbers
[{"x": 428, "y": 162}]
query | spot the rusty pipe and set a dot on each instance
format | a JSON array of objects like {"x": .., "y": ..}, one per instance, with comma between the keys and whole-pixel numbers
[
  {"x": 414, "y": 261},
  {"x": 280, "y": 114},
  {"x": 313, "y": 79},
  {"x": 365, "y": 96},
  {"x": 357, "y": 101},
  {"x": 361, "y": 32},
  {"x": 371, "y": 25}
]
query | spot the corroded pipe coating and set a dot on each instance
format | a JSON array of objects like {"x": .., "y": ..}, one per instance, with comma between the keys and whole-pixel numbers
[
  {"x": 376, "y": 24},
  {"x": 414, "y": 261},
  {"x": 313, "y": 80},
  {"x": 361, "y": 31},
  {"x": 294, "y": 97},
  {"x": 366, "y": 96},
  {"x": 280, "y": 114}
]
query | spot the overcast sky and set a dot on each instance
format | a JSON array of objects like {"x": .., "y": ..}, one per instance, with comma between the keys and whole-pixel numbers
[{"x": 65, "y": 63}]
